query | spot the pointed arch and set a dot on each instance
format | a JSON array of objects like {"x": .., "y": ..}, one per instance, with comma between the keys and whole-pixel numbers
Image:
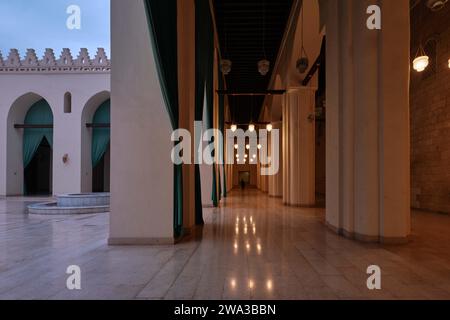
[{"x": 20, "y": 112}]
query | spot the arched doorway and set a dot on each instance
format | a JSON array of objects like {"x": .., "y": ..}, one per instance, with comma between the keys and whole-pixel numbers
[
  {"x": 95, "y": 125},
  {"x": 29, "y": 147},
  {"x": 37, "y": 149},
  {"x": 101, "y": 137}
]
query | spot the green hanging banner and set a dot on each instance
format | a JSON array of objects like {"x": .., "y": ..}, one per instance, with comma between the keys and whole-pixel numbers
[
  {"x": 39, "y": 114},
  {"x": 101, "y": 136},
  {"x": 222, "y": 129}
]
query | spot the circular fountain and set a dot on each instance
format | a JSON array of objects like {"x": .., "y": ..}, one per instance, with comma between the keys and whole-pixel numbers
[{"x": 68, "y": 204}]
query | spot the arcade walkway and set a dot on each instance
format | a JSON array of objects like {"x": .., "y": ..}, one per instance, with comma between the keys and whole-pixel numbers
[{"x": 284, "y": 253}]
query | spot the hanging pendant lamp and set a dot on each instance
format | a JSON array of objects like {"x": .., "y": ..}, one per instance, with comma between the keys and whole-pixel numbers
[
  {"x": 303, "y": 62},
  {"x": 421, "y": 61},
  {"x": 264, "y": 64}
]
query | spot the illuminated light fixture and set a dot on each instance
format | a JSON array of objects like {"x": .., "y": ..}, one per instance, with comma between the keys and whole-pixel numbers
[
  {"x": 259, "y": 147},
  {"x": 251, "y": 284},
  {"x": 247, "y": 147},
  {"x": 251, "y": 127},
  {"x": 269, "y": 127},
  {"x": 233, "y": 128},
  {"x": 269, "y": 285},
  {"x": 233, "y": 284},
  {"x": 246, "y": 156},
  {"x": 251, "y": 160},
  {"x": 237, "y": 156},
  {"x": 254, "y": 156},
  {"x": 449, "y": 63},
  {"x": 421, "y": 61}
]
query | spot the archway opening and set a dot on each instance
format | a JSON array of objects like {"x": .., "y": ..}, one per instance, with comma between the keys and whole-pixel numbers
[
  {"x": 95, "y": 127},
  {"x": 38, "y": 174},
  {"x": 37, "y": 149},
  {"x": 101, "y": 137}
]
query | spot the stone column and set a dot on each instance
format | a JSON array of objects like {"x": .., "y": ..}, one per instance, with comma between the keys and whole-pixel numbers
[
  {"x": 186, "y": 90},
  {"x": 141, "y": 170},
  {"x": 367, "y": 121},
  {"x": 276, "y": 181},
  {"x": 299, "y": 147}
]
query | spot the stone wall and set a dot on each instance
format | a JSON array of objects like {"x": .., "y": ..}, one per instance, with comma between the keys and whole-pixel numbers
[{"x": 430, "y": 113}]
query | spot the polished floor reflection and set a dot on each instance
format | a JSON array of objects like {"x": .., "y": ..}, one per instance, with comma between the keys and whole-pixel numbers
[{"x": 251, "y": 248}]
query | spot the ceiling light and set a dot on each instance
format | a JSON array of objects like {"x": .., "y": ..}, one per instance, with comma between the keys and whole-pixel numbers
[
  {"x": 421, "y": 60},
  {"x": 421, "y": 63},
  {"x": 251, "y": 127},
  {"x": 269, "y": 127},
  {"x": 233, "y": 128}
]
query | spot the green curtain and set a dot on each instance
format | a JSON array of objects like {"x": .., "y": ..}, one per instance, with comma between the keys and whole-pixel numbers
[
  {"x": 222, "y": 129},
  {"x": 101, "y": 136},
  {"x": 162, "y": 22},
  {"x": 39, "y": 114}
]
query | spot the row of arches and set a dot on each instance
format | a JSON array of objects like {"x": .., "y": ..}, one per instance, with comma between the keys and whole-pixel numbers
[{"x": 30, "y": 144}]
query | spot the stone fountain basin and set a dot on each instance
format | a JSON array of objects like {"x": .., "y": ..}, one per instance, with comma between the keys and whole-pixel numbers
[
  {"x": 83, "y": 200},
  {"x": 73, "y": 204}
]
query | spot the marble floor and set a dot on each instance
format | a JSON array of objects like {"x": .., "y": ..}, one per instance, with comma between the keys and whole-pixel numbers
[{"x": 251, "y": 248}]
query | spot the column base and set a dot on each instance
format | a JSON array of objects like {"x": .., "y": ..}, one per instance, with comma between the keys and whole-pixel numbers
[
  {"x": 305, "y": 206},
  {"x": 140, "y": 241},
  {"x": 368, "y": 239}
]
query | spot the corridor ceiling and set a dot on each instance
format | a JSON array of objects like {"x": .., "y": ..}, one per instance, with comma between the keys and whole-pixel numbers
[{"x": 249, "y": 31}]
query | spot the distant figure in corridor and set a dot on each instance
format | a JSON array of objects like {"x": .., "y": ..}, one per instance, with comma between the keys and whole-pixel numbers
[{"x": 242, "y": 184}]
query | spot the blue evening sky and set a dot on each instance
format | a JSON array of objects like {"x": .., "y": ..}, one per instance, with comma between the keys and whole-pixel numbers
[{"x": 40, "y": 24}]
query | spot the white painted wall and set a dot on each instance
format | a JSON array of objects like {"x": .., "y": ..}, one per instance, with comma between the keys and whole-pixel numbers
[
  {"x": 22, "y": 89},
  {"x": 141, "y": 168}
]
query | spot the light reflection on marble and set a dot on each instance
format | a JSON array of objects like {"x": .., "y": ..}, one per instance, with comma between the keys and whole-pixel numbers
[{"x": 287, "y": 253}]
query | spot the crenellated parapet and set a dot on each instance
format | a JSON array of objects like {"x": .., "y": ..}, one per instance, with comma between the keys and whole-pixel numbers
[{"x": 66, "y": 63}]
